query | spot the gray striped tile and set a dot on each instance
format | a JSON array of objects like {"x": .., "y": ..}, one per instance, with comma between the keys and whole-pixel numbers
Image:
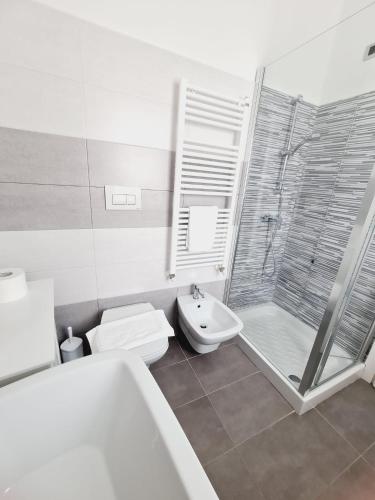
[{"x": 327, "y": 181}]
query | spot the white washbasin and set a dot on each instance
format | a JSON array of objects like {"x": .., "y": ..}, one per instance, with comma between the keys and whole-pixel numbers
[
  {"x": 96, "y": 428},
  {"x": 206, "y": 322}
]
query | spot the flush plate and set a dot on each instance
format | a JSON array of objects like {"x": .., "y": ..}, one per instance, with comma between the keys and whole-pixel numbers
[{"x": 122, "y": 198}]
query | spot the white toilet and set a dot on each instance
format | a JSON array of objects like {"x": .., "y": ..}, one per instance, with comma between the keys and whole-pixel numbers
[{"x": 130, "y": 328}]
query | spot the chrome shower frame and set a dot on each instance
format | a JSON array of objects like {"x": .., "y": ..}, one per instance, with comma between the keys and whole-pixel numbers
[
  {"x": 359, "y": 241},
  {"x": 258, "y": 84}
]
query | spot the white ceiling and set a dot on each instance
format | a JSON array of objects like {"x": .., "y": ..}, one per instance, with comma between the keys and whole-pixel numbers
[{"x": 232, "y": 35}]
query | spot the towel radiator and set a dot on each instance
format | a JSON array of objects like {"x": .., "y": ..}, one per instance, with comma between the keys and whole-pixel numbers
[{"x": 206, "y": 168}]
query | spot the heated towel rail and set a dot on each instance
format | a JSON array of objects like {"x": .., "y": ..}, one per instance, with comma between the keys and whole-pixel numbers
[{"x": 208, "y": 169}]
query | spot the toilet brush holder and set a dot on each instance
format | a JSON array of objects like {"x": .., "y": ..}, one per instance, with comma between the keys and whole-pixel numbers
[{"x": 71, "y": 348}]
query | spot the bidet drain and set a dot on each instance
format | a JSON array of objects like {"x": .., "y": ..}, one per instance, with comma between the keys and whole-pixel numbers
[
  {"x": 294, "y": 378},
  {"x": 203, "y": 326}
]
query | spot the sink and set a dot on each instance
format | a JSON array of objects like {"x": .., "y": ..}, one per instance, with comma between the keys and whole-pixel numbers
[
  {"x": 96, "y": 428},
  {"x": 206, "y": 322}
]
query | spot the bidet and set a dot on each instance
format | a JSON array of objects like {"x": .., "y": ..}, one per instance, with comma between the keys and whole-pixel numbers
[{"x": 206, "y": 322}]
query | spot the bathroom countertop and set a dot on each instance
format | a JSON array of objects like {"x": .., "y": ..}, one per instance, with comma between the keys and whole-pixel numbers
[{"x": 27, "y": 332}]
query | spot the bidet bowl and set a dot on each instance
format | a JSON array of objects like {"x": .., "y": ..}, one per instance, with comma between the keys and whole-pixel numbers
[{"x": 206, "y": 322}]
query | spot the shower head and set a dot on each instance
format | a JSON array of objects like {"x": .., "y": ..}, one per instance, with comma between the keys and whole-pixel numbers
[{"x": 314, "y": 136}]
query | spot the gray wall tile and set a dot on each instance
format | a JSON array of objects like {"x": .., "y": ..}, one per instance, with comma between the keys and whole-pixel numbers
[
  {"x": 85, "y": 315},
  {"x": 249, "y": 284},
  {"x": 161, "y": 299},
  {"x": 36, "y": 206},
  {"x": 32, "y": 157},
  {"x": 156, "y": 211},
  {"x": 121, "y": 164},
  {"x": 81, "y": 317}
]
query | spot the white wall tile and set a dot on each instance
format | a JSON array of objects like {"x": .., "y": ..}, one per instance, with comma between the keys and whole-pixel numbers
[
  {"x": 131, "y": 277},
  {"x": 39, "y": 38},
  {"x": 118, "y": 117},
  {"x": 120, "y": 63},
  {"x": 43, "y": 250},
  {"x": 198, "y": 275},
  {"x": 141, "y": 276},
  {"x": 71, "y": 285},
  {"x": 121, "y": 245},
  {"x": 39, "y": 102}
]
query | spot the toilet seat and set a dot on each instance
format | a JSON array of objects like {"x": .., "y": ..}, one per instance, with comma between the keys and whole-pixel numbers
[{"x": 150, "y": 351}]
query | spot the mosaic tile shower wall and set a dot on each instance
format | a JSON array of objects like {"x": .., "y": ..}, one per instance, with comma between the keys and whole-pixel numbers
[
  {"x": 325, "y": 186},
  {"x": 336, "y": 173},
  {"x": 249, "y": 284}
]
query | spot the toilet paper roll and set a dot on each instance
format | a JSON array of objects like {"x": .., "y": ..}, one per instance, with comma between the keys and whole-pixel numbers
[{"x": 13, "y": 284}]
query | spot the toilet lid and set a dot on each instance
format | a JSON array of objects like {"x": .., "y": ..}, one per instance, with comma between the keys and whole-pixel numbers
[{"x": 127, "y": 333}]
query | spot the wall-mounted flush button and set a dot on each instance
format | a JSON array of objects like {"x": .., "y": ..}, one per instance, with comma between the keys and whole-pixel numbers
[
  {"x": 119, "y": 199},
  {"x": 131, "y": 199},
  {"x": 122, "y": 198}
]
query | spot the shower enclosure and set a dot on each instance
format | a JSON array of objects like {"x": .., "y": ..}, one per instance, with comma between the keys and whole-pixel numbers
[{"x": 303, "y": 275}]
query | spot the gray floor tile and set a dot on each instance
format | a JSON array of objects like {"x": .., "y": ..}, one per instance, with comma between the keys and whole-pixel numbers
[
  {"x": 178, "y": 383},
  {"x": 297, "y": 458},
  {"x": 352, "y": 413},
  {"x": 357, "y": 483},
  {"x": 231, "y": 479},
  {"x": 173, "y": 355},
  {"x": 185, "y": 346},
  {"x": 203, "y": 429},
  {"x": 370, "y": 455},
  {"x": 222, "y": 367},
  {"x": 248, "y": 406}
]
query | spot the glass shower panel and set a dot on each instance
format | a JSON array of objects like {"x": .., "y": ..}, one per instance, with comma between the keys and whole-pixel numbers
[
  {"x": 352, "y": 333},
  {"x": 312, "y": 156}
]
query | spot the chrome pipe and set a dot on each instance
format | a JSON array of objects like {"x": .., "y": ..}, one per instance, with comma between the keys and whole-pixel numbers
[{"x": 286, "y": 154}]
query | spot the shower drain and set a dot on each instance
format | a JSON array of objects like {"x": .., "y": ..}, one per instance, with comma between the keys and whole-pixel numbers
[{"x": 294, "y": 378}]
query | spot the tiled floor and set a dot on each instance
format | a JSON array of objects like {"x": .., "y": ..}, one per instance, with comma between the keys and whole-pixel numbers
[{"x": 252, "y": 444}]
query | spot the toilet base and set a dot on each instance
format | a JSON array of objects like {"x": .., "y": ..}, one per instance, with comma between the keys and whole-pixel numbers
[
  {"x": 151, "y": 352},
  {"x": 197, "y": 346}
]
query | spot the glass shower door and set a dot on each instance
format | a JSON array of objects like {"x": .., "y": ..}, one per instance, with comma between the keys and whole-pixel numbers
[{"x": 346, "y": 330}]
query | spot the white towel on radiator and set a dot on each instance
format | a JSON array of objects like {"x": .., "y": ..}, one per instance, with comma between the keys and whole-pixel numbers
[{"x": 202, "y": 228}]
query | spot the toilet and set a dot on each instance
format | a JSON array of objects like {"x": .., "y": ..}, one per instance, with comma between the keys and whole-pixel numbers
[{"x": 131, "y": 328}]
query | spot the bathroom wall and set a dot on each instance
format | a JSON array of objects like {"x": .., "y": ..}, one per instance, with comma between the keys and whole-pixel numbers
[
  {"x": 81, "y": 107},
  {"x": 250, "y": 285},
  {"x": 235, "y": 37}
]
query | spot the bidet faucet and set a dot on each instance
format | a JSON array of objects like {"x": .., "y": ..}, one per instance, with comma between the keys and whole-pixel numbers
[{"x": 197, "y": 293}]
